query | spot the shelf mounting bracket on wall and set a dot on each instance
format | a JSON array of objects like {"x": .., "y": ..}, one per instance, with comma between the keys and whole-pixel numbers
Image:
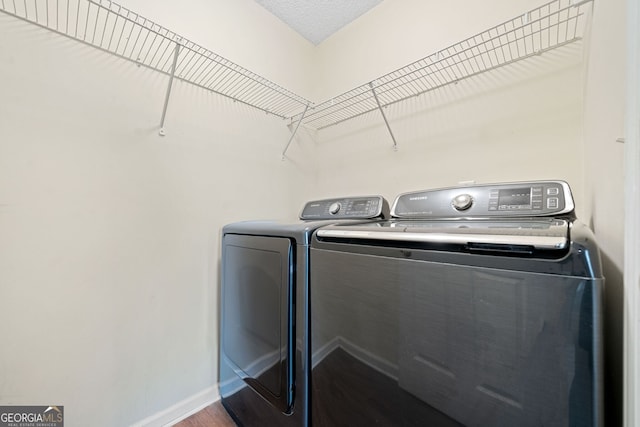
[
  {"x": 176, "y": 53},
  {"x": 384, "y": 116},
  {"x": 294, "y": 131}
]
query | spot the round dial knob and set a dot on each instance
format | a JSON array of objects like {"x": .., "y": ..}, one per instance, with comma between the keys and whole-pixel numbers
[
  {"x": 334, "y": 208},
  {"x": 462, "y": 202}
]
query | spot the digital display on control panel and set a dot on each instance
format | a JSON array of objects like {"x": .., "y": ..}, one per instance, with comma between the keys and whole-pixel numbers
[
  {"x": 359, "y": 205},
  {"x": 515, "y": 197}
]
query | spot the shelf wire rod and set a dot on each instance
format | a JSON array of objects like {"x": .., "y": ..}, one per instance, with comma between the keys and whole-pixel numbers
[
  {"x": 86, "y": 23},
  {"x": 75, "y": 34},
  {"x": 501, "y": 44},
  {"x": 104, "y": 28},
  {"x": 487, "y": 50},
  {"x": 66, "y": 22},
  {"x": 508, "y": 43},
  {"x": 228, "y": 85},
  {"x": 163, "y": 43},
  {"x": 140, "y": 28},
  {"x": 218, "y": 73},
  {"x": 455, "y": 65},
  {"x": 113, "y": 31},
  {"x": 95, "y": 26},
  {"x": 128, "y": 38},
  {"x": 421, "y": 84},
  {"x": 212, "y": 67},
  {"x": 458, "y": 62},
  {"x": 187, "y": 53},
  {"x": 186, "y": 69},
  {"x": 384, "y": 116},
  {"x": 279, "y": 103},
  {"x": 122, "y": 31},
  {"x": 199, "y": 61},
  {"x": 144, "y": 43},
  {"x": 246, "y": 79},
  {"x": 284, "y": 152},
  {"x": 166, "y": 65},
  {"x": 261, "y": 96},
  {"x": 471, "y": 59},
  {"x": 153, "y": 41},
  {"x": 207, "y": 63},
  {"x": 252, "y": 86},
  {"x": 235, "y": 87},
  {"x": 166, "y": 99}
]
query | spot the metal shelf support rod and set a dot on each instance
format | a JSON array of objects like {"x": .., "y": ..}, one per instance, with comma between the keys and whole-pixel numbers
[
  {"x": 294, "y": 131},
  {"x": 176, "y": 53},
  {"x": 384, "y": 116}
]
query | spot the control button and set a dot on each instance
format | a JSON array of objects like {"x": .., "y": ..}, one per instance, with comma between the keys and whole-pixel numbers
[
  {"x": 552, "y": 203},
  {"x": 462, "y": 202},
  {"x": 553, "y": 191},
  {"x": 334, "y": 208}
]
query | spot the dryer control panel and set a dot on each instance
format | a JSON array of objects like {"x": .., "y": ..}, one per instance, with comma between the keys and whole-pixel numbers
[
  {"x": 366, "y": 207},
  {"x": 517, "y": 199}
]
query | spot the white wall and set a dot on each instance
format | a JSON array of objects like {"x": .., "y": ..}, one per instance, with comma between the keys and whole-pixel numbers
[
  {"x": 109, "y": 233},
  {"x": 604, "y": 177}
]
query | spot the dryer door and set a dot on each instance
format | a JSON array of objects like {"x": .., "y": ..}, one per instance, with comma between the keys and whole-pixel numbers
[{"x": 257, "y": 324}]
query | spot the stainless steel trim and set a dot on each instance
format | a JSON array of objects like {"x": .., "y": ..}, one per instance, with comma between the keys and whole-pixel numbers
[
  {"x": 539, "y": 242},
  {"x": 568, "y": 198}
]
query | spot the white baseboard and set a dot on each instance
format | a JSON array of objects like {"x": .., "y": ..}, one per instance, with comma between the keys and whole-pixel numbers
[{"x": 182, "y": 409}]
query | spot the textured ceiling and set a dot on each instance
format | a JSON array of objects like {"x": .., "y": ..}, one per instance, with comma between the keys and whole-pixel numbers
[{"x": 315, "y": 20}]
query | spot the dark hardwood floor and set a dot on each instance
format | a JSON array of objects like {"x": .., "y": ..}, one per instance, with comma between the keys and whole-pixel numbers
[{"x": 213, "y": 415}]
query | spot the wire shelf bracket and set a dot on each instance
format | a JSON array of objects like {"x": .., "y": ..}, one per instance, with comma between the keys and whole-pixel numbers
[
  {"x": 176, "y": 54},
  {"x": 384, "y": 117},
  {"x": 295, "y": 130}
]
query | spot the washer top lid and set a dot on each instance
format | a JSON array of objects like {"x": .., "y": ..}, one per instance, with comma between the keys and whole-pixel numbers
[{"x": 501, "y": 200}]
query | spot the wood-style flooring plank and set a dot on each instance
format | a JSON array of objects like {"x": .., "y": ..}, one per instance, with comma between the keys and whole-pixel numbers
[{"x": 213, "y": 415}]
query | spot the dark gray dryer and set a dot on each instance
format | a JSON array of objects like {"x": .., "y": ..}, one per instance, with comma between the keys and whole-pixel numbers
[
  {"x": 264, "y": 332},
  {"x": 477, "y": 306}
]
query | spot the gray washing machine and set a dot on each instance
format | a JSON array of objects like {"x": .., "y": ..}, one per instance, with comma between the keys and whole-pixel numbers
[
  {"x": 264, "y": 333},
  {"x": 476, "y": 306}
]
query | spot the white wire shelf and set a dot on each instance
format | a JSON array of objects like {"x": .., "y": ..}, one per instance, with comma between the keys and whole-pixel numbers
[
  {"x": 550, "y": 26},
  {"x": 112, "y": 28},
  {"x": 117, "y": 30}
]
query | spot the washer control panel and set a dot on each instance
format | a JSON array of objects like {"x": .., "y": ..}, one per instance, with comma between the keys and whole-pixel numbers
[
  {"x": 367, "y": 207},
  {"x": 531, "y": 198}
]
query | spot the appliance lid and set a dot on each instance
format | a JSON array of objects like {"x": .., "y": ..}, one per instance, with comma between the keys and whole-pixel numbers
[{"x": 538, "y": 233}]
